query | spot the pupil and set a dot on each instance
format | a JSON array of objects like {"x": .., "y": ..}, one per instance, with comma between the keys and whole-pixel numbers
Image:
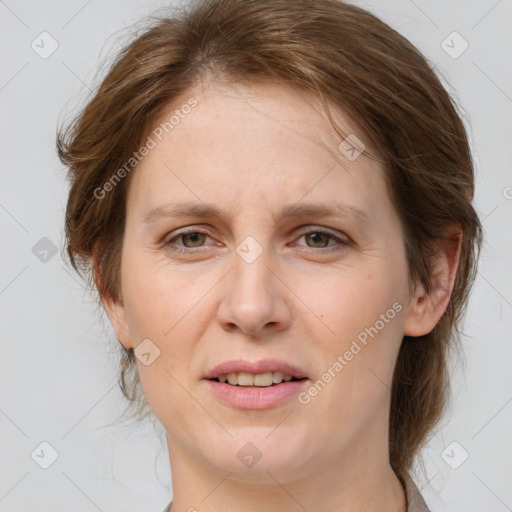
[
  {"x": 193, "y": 236},
  {"x": 315, "y": 237}
]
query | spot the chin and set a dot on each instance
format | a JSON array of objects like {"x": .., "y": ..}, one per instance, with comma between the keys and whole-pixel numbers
[{"x": 253, "y": 451}]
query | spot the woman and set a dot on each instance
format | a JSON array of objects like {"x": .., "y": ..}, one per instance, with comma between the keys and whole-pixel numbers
[{"x": 274, "y": 199}]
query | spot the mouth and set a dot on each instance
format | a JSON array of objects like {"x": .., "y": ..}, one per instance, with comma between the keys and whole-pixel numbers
[
  {"x": 264, "y": 373},
  {"x": 255, "y": 385},
  {"x": 260, "y": 380}
]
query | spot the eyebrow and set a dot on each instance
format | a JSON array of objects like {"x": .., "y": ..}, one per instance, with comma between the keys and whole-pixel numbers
[{"x": 206, "y": 211}]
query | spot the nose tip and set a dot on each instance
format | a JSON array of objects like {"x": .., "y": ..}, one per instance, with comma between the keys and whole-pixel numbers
[{"x": 254, "y": 300}]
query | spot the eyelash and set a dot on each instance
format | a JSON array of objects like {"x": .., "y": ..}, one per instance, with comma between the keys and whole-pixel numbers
[{"x": 190, "y": 250}]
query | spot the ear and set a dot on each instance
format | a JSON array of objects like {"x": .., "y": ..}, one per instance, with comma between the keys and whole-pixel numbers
[
  {"x": 114, "y": 308},
  {"x": 425, "y": 310}
]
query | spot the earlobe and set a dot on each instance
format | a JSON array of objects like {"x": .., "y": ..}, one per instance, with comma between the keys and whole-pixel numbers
[
  {"x": 426, "y": 309},
  {"x": 421, "y": 316},
  {"x": 114, "y": 308},
  {"x": 117, "y": 316}
]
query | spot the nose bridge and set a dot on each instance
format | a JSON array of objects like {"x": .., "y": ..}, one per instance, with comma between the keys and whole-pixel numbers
[
  {"x": 255, "y": 298},
  {"x": 252, "y": 273}
]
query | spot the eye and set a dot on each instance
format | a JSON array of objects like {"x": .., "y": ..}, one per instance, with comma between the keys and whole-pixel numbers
[
  {"x": 193, "y": 241},
  {"x": 320, "y": 239},
  {"x": 195, "y": 238},
  {"x": 190, "y": 239}
]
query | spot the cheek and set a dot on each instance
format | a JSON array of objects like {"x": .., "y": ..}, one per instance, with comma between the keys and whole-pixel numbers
[
  {"x": 362, "y": 319},
  {"x": 166, "y": 308},
  {"x": 159, "y": 300},
  {"x": 347, "y": 303}
]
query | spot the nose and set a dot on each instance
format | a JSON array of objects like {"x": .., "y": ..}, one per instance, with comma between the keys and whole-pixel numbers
[{"x": 255, "y": 300}]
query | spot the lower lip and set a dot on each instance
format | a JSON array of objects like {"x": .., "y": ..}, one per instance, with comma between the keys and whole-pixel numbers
[{"x": 255, "y": 397}]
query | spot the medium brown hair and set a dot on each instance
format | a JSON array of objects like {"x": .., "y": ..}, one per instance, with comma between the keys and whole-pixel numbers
[{"x": 348, "y": 58}]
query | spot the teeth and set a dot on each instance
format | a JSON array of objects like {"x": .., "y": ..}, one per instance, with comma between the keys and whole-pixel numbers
[
  {"x": 244, "y": 379},
  {"x": 277, "y": 377},
  {"x": 260, "y": 379}
]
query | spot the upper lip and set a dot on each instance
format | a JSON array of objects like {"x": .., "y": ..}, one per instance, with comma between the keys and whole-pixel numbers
[{"x": 261, "y": 366}]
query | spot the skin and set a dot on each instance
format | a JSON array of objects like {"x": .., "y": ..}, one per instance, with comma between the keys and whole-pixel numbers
[{"x": 251, "y": 151}]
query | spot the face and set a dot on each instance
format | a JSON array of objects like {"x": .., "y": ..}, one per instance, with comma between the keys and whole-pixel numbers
[{"x": 270, "y": 274}]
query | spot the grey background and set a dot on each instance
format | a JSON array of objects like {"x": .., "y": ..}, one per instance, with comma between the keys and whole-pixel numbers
[{"x": 57, "y": 372}]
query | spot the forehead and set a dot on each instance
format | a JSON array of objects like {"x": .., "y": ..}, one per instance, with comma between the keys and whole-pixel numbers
[
  {"x": 263, "y": 109},
  {"x": 264, "y": 142}
]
